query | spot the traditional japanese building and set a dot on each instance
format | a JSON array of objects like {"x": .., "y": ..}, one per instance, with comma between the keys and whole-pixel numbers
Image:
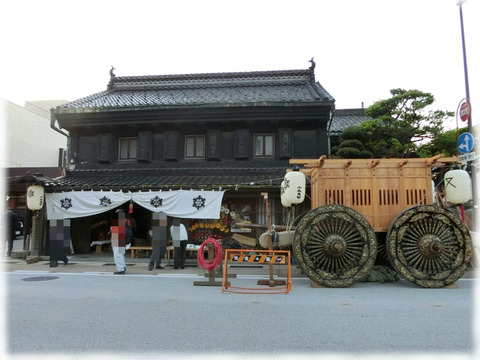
[
  {"x": 344, "y": 118},
  {"x": 228, "y": 132}
]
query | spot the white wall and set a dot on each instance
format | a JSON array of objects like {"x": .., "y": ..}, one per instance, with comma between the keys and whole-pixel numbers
[{"x": 28, "y": 140}]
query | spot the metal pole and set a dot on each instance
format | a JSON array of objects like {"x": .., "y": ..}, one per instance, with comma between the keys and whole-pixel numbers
[
  {"x": 470, "y": 127},
  {"x": 467, "y": 90}
]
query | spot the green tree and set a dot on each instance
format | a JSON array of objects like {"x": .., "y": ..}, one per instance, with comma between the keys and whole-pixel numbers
[
  {"x": 445, "y": 144},
  {"x": 399, "y": 124},
  {"x": 354, "y": 133},
  {"x": 351, "y": 145},
  {"x": 353, "y": 149}
]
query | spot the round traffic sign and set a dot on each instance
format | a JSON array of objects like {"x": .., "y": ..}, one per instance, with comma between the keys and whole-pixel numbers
[
  {"x": 465, "y": 111},
  {"x": 465, "y": 143}
]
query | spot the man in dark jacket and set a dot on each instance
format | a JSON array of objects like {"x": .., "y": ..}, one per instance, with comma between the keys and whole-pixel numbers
[
  {"x": 180, "y": 239},
  {"x": 11, "y": 223}
]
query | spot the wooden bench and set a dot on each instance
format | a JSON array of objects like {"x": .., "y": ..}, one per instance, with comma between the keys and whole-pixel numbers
[
  {"x": 98, "y": 244},
  {"x": 135, "y": 249},
  {"x": 170, "y": 249},
  {"x": 190, "y": 248}
]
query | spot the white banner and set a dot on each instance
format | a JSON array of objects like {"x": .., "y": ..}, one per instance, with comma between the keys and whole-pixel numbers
[
  {"x": 75, "y": 204},
  {"x": 190, "y": 204}
]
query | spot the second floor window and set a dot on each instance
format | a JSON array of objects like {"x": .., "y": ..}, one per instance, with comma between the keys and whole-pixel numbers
[
  {"x": 194, "y": 147},
  {"x": 127, "y": 148},
  {"x": 264, "y": 145}
]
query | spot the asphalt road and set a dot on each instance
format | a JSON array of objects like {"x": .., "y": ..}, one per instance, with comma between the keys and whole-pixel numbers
[{"x": 98, "y": 315}]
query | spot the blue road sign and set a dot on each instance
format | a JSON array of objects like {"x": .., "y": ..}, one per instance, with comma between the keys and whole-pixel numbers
[{"x": 465, "y": 143}]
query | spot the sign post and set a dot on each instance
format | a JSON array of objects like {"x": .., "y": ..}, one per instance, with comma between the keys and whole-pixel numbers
[{"x": 470, "y": 126}]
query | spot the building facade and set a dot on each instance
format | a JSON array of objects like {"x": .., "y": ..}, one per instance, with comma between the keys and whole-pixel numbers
[
  {"x": 31, "y": 142},
  {"x": 233, "y": 132},
  {"x": 30, "y": 146}
]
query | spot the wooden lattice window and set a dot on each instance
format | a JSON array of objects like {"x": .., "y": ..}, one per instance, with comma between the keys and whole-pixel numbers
[
  {"x": 334, "y": 196},
  {"x": 416, "y": 196},
  {"x": 361, "y": 197},
  {"x": 388, "y": 196}
]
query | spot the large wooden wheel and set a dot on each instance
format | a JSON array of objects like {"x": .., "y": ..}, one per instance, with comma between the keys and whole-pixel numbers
[
  {"x": 334, "y": 245},
  {"x": 429, "y": 246}
]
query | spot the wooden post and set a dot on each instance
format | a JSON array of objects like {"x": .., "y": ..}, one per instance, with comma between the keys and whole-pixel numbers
[{"x": 271, "y": 282}]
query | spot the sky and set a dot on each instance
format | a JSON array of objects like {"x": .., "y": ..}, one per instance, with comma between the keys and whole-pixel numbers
[{"x": 59, "y": 49}]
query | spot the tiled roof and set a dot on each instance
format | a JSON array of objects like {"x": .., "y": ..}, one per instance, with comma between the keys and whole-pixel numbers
[
  {"x": 344, "y": 118},
  {"x": 173, "y": 178},
  {"x": 17, "y": 178},
  {"x": 217, "y": 89}
]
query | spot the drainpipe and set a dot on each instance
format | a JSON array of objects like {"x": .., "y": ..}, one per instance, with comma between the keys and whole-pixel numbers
[
  {"x": 37, "y": 228},
  {"x": 52, "y": 124},
  {"x": 329, "y": 150}
]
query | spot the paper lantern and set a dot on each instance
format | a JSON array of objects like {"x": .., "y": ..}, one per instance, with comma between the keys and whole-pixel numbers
[
  {"x": 35, "y": 197},
  {"x": 282, "y": 195},
  {"x": 457, "y": 186},
  {"x": 295, "y": 183}
]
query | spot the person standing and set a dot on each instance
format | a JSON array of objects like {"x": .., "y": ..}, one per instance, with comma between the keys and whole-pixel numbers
[
  {"x": 157, "y": 248},
  {"x": 179, "y": 235},
  {"x": 159, "y": 239},
  {"x": 118, "y": 241},
  {"x": 155, "y": 259},
  {"x": 11, "y": 223},
  {"x": 133, "y": 225}
]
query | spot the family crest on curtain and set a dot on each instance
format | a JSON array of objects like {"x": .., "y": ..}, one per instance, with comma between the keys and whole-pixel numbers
[{"x": 193, "y": 204}]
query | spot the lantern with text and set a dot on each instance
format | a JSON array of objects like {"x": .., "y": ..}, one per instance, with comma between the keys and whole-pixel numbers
[
  {"x": 35, "y": 197},
  {"x": 282, "y": 195},
  {"x": 295, "y": 183}
]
